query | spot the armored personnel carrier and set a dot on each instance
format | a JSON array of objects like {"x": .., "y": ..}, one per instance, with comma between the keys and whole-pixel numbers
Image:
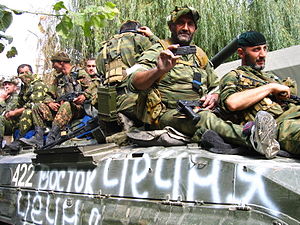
[{"x": 108, "y": 184}]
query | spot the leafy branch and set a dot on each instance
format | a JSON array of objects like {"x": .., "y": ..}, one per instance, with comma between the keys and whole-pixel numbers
[{"x": 87, "y": 19}]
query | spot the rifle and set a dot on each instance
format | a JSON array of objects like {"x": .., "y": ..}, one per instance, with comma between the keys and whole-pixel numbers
[
  {"x": 293, "y": 98},
  {"x": 187, "y": 107},
  {"x": 185, "y": 50},
  {"x": 76, "y": 130},
  {"x": 69, "y": 97}
]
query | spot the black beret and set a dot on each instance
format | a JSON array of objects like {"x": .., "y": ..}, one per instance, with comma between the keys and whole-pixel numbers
[{"x": 251, "y": 38}]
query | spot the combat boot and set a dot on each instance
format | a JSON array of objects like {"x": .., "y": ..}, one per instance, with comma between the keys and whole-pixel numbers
[
  {"x": 13, "y": 148},
  {"x": 53, "y": 134},
  {"x": 263, "y": 135},
  {"x": 1, "y": 140},
  {"x": 37, "y": 140}
]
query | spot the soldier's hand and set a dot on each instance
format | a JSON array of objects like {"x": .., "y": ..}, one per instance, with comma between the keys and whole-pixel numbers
[
  {"x": 3, "y": 96},
  {"x": 166, "y": 59},
  {"x": 10, "y": 114},
  {"x": 54, "y": 106},
  {"x": 280, "y": 91},
  {"x": 145, "y": 31},
  {"x": 210, "y": 101},
  {"x": 79, "y": 100}
]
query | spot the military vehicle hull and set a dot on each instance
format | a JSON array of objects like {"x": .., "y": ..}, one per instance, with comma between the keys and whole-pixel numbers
[{"x": 105, "y": 184}]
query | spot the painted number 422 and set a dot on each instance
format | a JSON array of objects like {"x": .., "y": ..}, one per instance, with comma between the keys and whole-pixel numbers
[{"x": 23, "y": 175}]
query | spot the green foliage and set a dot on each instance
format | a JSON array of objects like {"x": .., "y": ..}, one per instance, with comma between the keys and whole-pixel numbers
[
  {"x": 6, "y": 18},
  {"x": 221, "y": 21},
  {"x": 12, "y": 52},
  {"x": 86, "y": 19}
]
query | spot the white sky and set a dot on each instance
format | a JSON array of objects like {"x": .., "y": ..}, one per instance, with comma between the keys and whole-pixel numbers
[{"x": 24, "y": 30}]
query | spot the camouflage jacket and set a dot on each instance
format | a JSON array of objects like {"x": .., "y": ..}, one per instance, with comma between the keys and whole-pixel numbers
[
  {"x": 9, "y": 104},
  {"x": 92, "y": 88},
  {"x": 177, "y": 84},
  {"x": 33, "y": 92},
  {"x": 76, "y": 81},
  {"x": 131, "y": 47},
  {"x": 244, "y": 77}
]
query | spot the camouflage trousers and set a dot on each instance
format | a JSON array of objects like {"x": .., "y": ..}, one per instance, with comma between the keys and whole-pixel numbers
[
  {"x": 289, "y": 130},
  {"x": 67, "y": 111},
  {"x": 231, "y": 133},
  {"x": 7, "y": 126},
  {"x": 126, "y": 104},
  {"x": 23, "y": 123}
]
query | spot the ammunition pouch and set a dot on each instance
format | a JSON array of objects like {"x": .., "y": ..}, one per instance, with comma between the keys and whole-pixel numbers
[
  {"x": 149, "y": 106},
  {"x": 115, "y": 71},
  {"x": 265, "y": 104}
]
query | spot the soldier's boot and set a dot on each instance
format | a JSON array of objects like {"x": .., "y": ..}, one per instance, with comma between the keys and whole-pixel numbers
[
  {"x": 53, "y": 134},
  {"x": 1, "y": 148},
  {"x": 13, "y": 148},
  {"x": 1, "y": 140},
  {"x": 263, "y": 135},
  {"x": 36, "y": 140}
]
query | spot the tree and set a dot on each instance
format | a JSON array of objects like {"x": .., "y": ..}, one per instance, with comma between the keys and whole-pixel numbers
[
  {"x": 86, "y": 20},
  {"x": 6, "y": 18},
  {"x": 221, "y": 21}
]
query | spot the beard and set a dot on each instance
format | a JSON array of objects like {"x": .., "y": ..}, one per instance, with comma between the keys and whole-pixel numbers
[
  {"x": 182, "y": 38},
  {"x": 253, "y": 65}
]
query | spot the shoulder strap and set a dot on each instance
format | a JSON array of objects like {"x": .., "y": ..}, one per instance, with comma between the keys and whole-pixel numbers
[{"x": 202, "y": 57}]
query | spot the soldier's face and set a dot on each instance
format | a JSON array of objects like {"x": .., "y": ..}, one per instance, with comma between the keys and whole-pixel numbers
[
  {"x": 24, "y": 70},
  {"x": 183, "y": 30},
  {"x": 254, "y": 57},
  {"x": 90, "y": 67},
  {"x": 57, "y": 66},
  {"x": 9, "y": 88},
  {"x": 24, "y": 74}
]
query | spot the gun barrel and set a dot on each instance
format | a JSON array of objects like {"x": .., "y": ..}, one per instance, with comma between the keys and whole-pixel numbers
[{"x": 225, "y": 53}]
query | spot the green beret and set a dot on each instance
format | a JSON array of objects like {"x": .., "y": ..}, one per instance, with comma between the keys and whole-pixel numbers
[
  {"x": 251, "y": 38},
  {"x": 61, "y": 57},
  {"x": 180, "y": 11}
]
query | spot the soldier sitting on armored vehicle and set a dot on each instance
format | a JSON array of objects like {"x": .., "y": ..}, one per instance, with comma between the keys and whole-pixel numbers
[
  {"x": 33, "y": 91},
  {"x": 164, "y": 78},
  {"x": 247, "y": 90},
  {"x": 90, "y": 68},
  {"x": 73, "y": 89},
  {"x": 117, "y": 55},
  {"x": 8, "y": 102}
]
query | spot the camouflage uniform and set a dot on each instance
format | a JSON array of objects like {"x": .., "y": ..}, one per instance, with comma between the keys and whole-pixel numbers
[
  {"x": 286, "y": 115},
  {"x": 177, "y": 85},
  {"x": 131, "y": 45},
  {"x": 63, "y": 84},
  {"x": 34, "y": 92},
  {"x": 7, "y": 126},
  {"x": 93, "y": 89}
]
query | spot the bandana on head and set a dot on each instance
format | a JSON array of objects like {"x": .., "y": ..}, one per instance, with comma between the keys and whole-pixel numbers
[
  {"x": 180, "y": 11},
  {"x": 251, "y": 38}
]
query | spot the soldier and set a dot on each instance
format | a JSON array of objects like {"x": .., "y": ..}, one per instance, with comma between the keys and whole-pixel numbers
[
  {"x": 33, "y": 91},
  {"x": 247, "y": 90},
  {"x": 61, "y": 113},
  {"x": 120, "y": 53},
  {"x": 165, "y": 78},
  {"x": 8, "y": 102},
  {"x": 90, "y": 68}
]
